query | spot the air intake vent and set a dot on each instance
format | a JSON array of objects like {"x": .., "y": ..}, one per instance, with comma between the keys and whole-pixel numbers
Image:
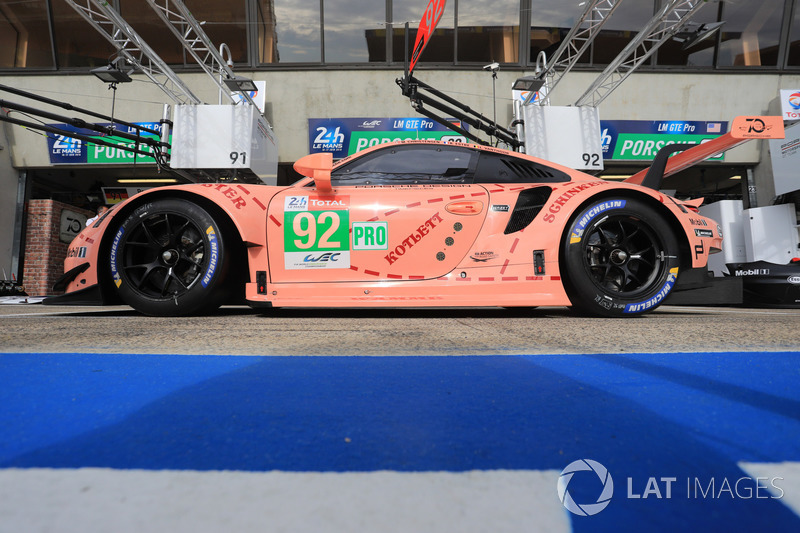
[
  {"x": 495, "y": 168},
  {"x": 530, "y": 171},
  {"x": 529, "y": 203}
]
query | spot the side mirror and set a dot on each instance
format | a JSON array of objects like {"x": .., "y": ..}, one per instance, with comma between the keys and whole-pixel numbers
[{"x": 317, "y": 167}]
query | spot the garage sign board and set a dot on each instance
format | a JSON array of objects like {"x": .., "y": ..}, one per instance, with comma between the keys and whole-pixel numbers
[
  {"x": 640, "y": 140},
  {"x": 346, "y": 136},
  {"x": 67, "y": 150}
]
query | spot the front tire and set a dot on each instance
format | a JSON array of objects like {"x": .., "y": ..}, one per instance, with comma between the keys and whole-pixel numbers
[
  {"x": 169, "y": 258},
  {"x": 621, "y": 258}
]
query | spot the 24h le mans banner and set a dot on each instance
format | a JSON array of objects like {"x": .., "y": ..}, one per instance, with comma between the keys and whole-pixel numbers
[{"x": 67, "y": 150}]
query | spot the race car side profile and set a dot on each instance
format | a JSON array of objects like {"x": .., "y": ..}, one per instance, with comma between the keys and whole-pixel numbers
[{"x": 414, "y": 223}]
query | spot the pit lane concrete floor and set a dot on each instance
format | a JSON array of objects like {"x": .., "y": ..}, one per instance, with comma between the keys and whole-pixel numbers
[
  {"x": 243, "y": 331},
  {"x": 110, "y": 421}
]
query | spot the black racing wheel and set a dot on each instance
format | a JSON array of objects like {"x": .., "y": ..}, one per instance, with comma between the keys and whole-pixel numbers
[
  {"x": 621, "y": 258},
  {"x": 169, "y": 258}
]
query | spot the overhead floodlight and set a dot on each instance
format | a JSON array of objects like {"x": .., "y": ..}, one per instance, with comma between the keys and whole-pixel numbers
[
  {"x": 531, "y": 84},
  {"x": 694, "y": 33},
  {"x": 112, "y": 73},
  {"x": 528, "y": 83},
  {"x": 240, "y": 85}
]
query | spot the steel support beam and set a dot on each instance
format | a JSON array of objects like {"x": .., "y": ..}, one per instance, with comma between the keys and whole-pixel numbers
[
  {"x": 190, "y": 33},
  {"x": 577, "y": 41},
  {"x": 133, "y": 48},
  {"x": 665, "y": 24}
]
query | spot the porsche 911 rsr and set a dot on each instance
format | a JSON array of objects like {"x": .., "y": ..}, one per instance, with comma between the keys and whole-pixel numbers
[{"x": 416, "y": 223}]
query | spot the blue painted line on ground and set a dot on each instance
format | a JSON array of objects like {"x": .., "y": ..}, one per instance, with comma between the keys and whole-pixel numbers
[{"x": 687, "y": 416}]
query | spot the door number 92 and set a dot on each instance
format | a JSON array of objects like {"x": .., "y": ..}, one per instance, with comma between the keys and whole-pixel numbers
[
  {"x": 236, "y": 156},
  {"x": 591, "y": 160},
  {"x": 305, "y": 226}
]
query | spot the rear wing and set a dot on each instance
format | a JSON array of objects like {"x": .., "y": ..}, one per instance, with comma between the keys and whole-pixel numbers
[{"x": 743, "y": 129}]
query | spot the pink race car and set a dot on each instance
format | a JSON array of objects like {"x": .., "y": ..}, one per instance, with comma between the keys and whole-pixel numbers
[{"x": 417, "y": 223}]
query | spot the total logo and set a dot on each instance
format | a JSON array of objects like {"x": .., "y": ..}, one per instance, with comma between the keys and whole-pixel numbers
[{"x": 790, "y": 104}]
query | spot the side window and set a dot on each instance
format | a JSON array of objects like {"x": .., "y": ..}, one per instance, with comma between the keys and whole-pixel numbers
[
  {"x": 495, "y": 168},
  {"x": 399, "y": 165}
]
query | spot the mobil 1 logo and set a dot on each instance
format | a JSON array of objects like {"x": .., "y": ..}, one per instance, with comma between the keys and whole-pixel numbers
[{"x": 370, "y": 236}]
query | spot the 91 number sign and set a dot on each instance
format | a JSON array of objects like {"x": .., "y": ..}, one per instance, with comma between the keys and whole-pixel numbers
[{"x": 236, "y": 156}]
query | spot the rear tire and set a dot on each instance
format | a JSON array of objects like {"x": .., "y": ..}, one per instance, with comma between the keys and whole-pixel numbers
[
  {"x": 169, "y": 258},
  {"x": 621, "y": 258}
]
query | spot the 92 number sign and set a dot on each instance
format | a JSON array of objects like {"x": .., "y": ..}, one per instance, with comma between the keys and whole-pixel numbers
[
  {"x": 317, "y": 231},
  {"x": 591, "y": 160}
]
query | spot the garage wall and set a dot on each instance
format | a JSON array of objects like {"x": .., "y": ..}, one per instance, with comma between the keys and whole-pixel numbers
[
  {"x": 9, "y": 180},
  {"x": 45, "y": 250},
  {"x": 295, "y": 96}
]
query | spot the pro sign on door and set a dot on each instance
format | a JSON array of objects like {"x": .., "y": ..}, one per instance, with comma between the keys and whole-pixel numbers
[{"x": 316, "y": 232}]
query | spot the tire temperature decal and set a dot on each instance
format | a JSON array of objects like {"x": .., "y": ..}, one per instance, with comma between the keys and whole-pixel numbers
[{"x": 316, "y": 232}]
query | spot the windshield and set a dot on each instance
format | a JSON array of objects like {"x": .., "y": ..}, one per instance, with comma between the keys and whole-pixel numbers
[{"x": 408, "y": 165}]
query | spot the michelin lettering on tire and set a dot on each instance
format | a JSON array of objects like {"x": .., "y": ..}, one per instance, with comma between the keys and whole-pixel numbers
[
  {"x": 658, "y": 298},
  {"x": 113, "y": 257},
  {"x": 212, "y": 263},
  {"x": 580, "y": 226}
]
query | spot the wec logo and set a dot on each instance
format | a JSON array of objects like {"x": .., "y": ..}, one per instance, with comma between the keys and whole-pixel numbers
[{"x": 322, "y": 258}]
